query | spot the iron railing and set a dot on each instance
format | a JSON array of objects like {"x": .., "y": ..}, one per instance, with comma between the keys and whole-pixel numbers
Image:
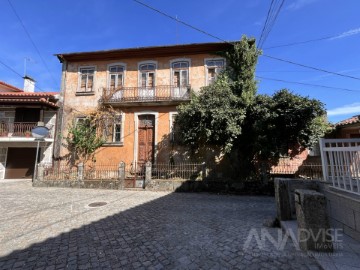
[
  {"x": 188, "y": 171},
  {"x": 60, "y": 171},
  {"x": 18, "y": 129},
  {"x": 97, "y": 171},
  {"x": 146, "y": 94}
]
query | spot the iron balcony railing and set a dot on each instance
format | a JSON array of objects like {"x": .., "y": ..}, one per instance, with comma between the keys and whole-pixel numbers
[
  {"x": 18, "y": 129},
  {"x": 146, "y": 94}
]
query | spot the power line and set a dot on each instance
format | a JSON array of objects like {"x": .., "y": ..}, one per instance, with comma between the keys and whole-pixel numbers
[
  {"x": 180, "y": 21},
  {"x": 305, "y": 42},
  {"x": 308, "y": 84},
  {"x": 213, "y": 36},
  {"x": 17, "y": 73},
  {"x": 300, "y": 42},
  {"x": 272, "y": 15},
  {"x": 32, "y": 42},
  {"x": 266, "y": 22},
  {"x": 314, "y": 68}
]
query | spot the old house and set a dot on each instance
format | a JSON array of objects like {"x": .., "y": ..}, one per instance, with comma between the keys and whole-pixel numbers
[
  {"x": 21, "y": 111},
  {"x": 144, "y": 86}
]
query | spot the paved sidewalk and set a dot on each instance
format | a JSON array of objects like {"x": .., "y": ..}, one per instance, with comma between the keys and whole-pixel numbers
[{"x": 54, "y": 228}]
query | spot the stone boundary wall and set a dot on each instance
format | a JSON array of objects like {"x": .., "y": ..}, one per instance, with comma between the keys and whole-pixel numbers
[
  {"x": 101, "y": 184},
  {"x": 343, "y": 208}
]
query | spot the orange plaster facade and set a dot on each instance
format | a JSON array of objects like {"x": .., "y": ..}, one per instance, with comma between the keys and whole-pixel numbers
[{"x": 77, "y": 105}]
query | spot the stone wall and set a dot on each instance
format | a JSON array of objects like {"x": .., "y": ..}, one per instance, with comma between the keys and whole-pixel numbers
[{"x": 343, "y": 209}]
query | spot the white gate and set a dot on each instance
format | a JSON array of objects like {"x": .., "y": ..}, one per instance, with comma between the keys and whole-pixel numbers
[{"x": 341, "y": 163}]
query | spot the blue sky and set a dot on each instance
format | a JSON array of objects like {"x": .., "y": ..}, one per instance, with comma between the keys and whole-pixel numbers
[{"x": 59, "y": 26}]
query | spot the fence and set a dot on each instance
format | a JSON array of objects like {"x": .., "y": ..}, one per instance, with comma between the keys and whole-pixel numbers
[
  {"x": 130, "y": 174},
  {"x": 341, "y": 163},
  {"x": 96, "y": 171},
  {"x": 177, "y": 171},
  {"x": 59, "y": 171}
]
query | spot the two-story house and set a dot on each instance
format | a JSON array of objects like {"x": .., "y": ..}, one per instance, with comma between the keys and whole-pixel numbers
[
  {"x": 144, "y": 85},
  {"x": 21, "y": 111}
]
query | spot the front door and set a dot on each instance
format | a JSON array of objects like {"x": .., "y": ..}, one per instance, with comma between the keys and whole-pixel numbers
[{"x": 146, "y": 137}]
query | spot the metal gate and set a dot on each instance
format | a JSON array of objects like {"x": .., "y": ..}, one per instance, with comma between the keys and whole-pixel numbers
[{"x": 341, "y": 163}]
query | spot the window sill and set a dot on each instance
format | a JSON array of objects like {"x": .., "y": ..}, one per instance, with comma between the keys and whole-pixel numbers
[
  {"x": 84, "y": 93},
  {"x": 113, "y": 144}
]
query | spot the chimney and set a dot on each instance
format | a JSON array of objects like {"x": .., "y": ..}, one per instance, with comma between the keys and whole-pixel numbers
[{"x": 29, "y": 84}]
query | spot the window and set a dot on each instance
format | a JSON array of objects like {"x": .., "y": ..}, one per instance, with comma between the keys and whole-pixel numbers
[
  {"x": 147, "y": 80},
  {"x": 213, "y": 68},
  {"x": 147, "y": 72},
  {"x": 180, "y": 74},
  {"x": 86, "y": 79},
  {"x": 112, "y": 130},
  {"x": 116, "y": 77}
]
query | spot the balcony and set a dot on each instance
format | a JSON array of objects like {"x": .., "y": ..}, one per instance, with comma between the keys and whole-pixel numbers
[
  {"x": 162, "y": 94},
  {"x": 18, "y": 129}
]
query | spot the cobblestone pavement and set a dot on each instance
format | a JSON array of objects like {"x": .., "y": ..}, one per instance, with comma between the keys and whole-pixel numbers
[{"x": 54, "y": 228}]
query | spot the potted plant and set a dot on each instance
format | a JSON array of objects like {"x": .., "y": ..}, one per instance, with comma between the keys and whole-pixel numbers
[{"x": 27, "y": 134}]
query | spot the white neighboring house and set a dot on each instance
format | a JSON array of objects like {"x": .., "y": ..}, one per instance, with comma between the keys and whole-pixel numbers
[{"x": 20, "y": 112}]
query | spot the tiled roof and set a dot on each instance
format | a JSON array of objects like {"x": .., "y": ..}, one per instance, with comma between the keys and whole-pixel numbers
[
  {"x": 14, "y": 88},
  {"x": 353, "y": 120},
  {"x": 27, "y": 100},
  {"x": 28, "y": 94}
]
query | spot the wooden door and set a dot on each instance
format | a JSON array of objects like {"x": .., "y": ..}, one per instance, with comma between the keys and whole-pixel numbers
[{"x": 146, "y": 135}]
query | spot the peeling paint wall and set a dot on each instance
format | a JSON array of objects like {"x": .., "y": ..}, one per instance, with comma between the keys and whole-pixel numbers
[{"x": 80, "y": 105}]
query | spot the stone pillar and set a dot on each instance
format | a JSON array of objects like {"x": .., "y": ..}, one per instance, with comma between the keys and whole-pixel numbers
[
  {"x": 40, "y": 173},
  {"x": 313, "y": 223},
  {"x": 121, "y": 175},
  {"x": 80, "y": 172},
  {"x": 203, "y": 170},
  {"x": 147, "y": 173},
  {"x": 283, "y": 201}
]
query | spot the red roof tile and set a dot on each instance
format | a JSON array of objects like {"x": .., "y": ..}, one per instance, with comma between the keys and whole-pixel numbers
[
  {"x": 28, "y": 94},
  {"x": 14, "y": 88},
  {"x": 353, "y": 120}
]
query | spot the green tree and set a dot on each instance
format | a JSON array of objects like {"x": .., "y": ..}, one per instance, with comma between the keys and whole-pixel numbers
[
  {"x": 215, "y": 115},
  {"x": 246, "y": 127},
  {"x": 83, "y": 140}
]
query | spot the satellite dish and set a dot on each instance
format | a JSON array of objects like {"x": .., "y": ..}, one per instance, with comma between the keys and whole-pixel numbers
[{"x": 40, "y": 132}]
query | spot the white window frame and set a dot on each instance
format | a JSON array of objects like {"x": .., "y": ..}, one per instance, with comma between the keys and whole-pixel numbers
[
  {"x": 152, "y": 62},
  {"x": 79, "y": 79},
  {"x": 172, "y": 62},
  {"x": 207, "y": 68},
  {"x": 122, "y": 122},
  {"x": 123, "y": 65}
]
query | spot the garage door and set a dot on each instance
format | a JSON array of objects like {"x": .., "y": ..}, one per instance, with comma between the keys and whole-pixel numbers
[{"x": 20, "y": 163}]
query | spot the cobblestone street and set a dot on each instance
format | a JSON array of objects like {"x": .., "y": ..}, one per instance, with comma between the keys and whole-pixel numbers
[{"x": 54, "y": 228}]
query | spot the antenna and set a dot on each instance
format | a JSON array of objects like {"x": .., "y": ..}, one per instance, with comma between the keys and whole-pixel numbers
[
  {"x": 25, "y": 61},
  {"x": 177, "y": 29}
]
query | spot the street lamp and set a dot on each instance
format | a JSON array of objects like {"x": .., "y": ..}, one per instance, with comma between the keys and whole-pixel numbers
[{"x": 39, "y": 133}]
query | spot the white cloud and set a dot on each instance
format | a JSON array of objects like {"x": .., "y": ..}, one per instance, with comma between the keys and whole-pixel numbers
[
  {"x": 348, "y": 33},
  {"x": 353, "y": 108},
  {"x": 298, "y": 4}
]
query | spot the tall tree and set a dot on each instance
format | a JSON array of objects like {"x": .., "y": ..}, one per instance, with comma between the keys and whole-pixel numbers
[{"x": 245, "y": 127}]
